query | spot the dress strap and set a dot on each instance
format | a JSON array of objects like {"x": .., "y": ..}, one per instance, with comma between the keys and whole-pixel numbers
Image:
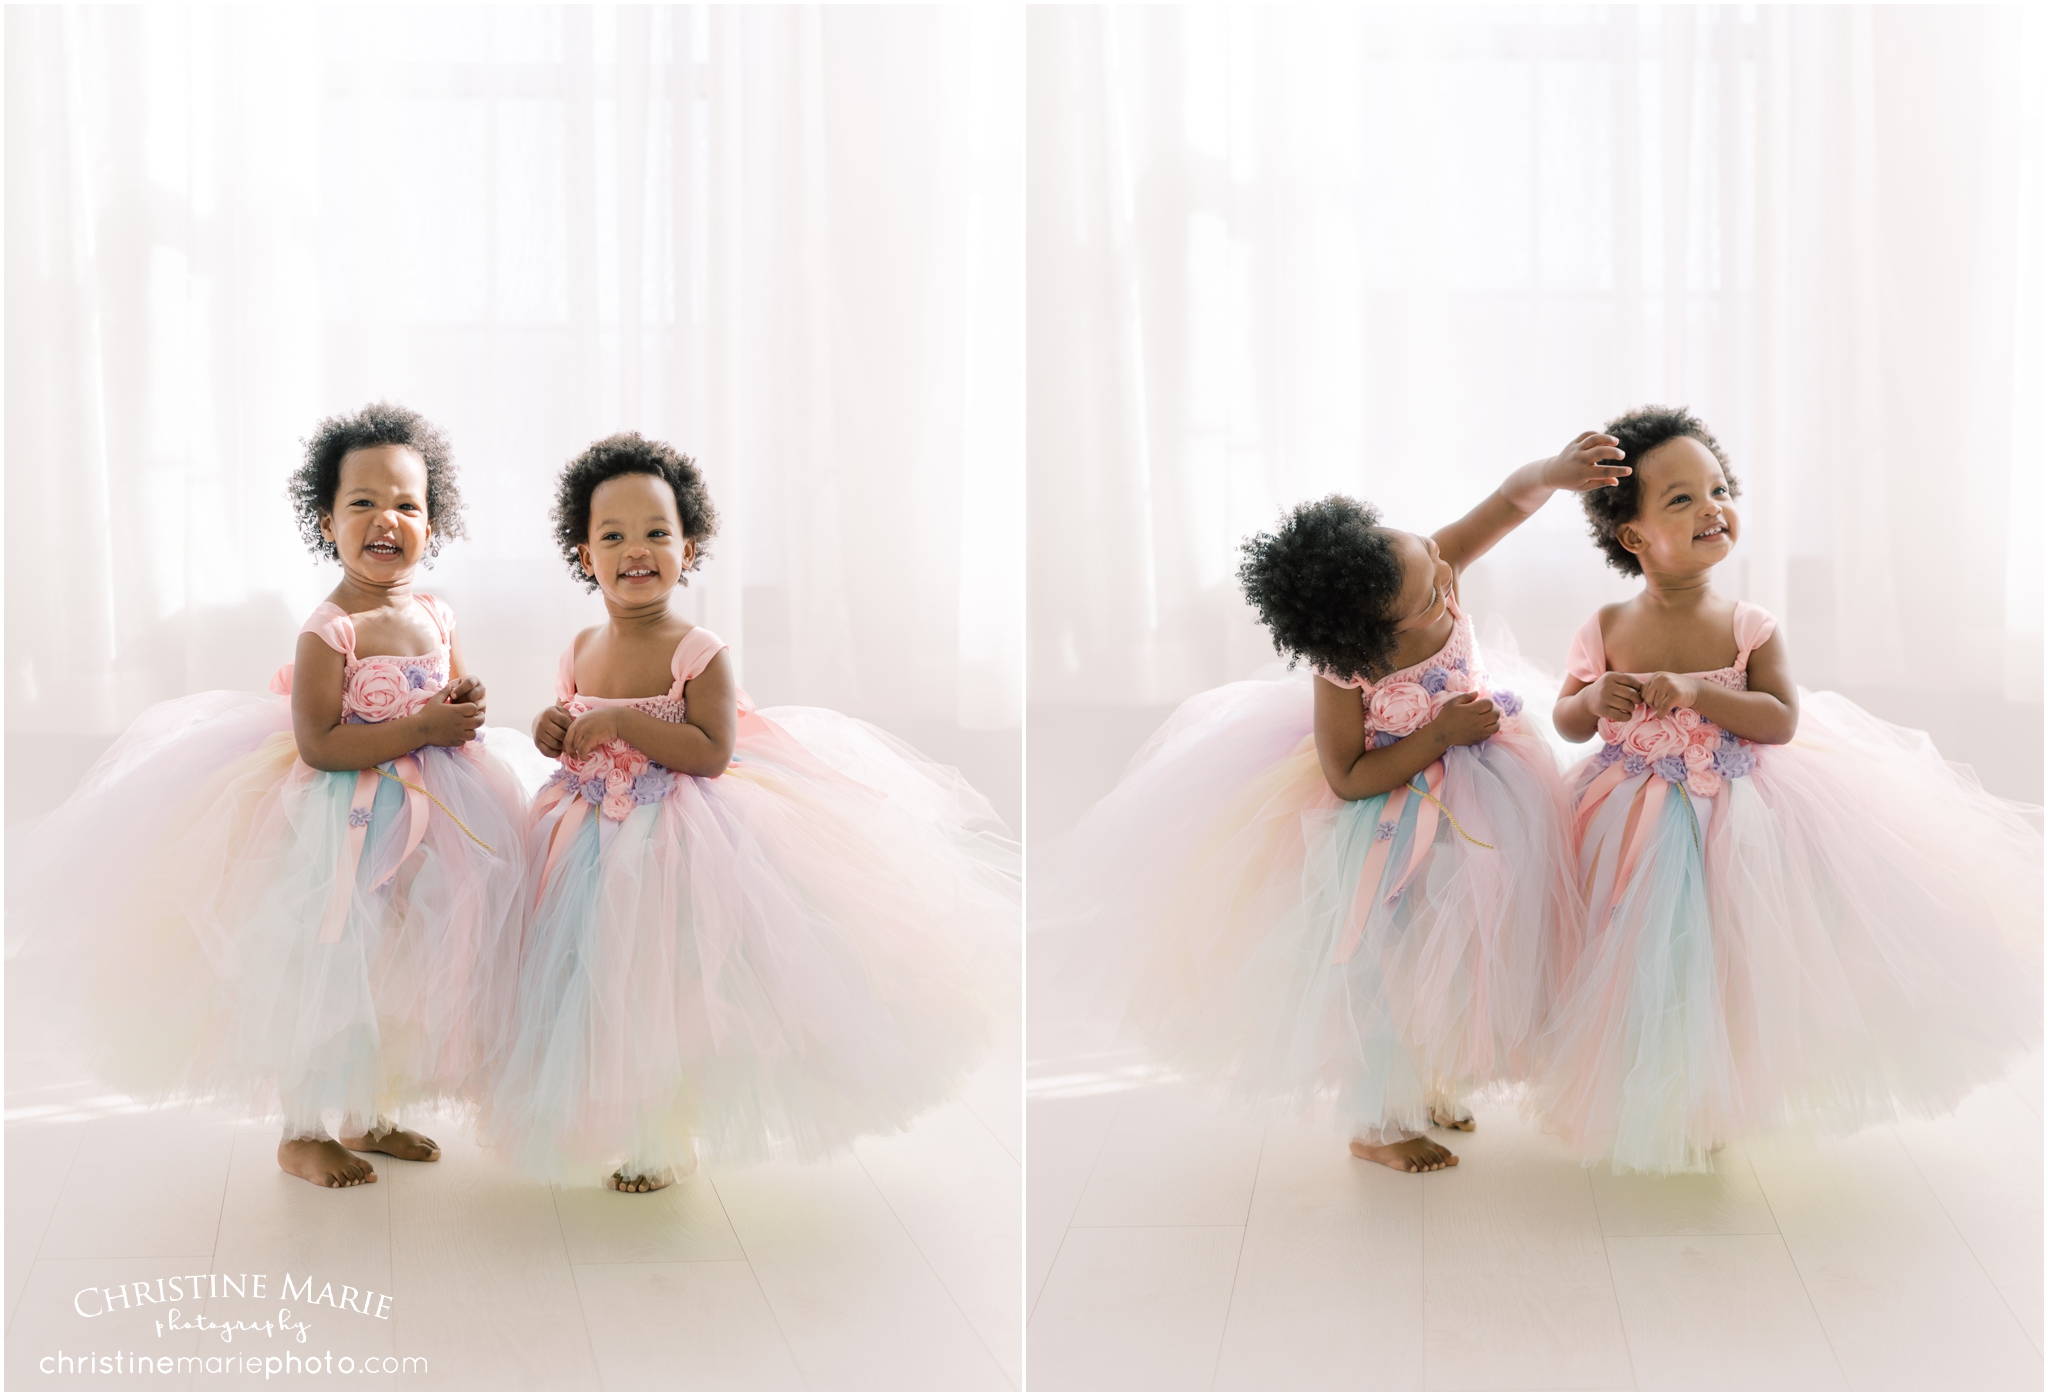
[
  {"x": 1587, "y": 659},
  {"x": 565, "y": 675},
  {"x": 1753, "y": 626},
  {"x": 334, "y": 626},
  {"x": 693, "y": 654},
  {"x": 443, "y": 616}
]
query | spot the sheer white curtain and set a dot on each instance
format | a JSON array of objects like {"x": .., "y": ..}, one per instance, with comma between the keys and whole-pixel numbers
[
  {"x": 1276, "y": 251},
  {"x": 786, "y": 239}
]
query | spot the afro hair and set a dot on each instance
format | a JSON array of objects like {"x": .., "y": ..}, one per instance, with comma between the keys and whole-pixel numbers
[
  {"x": 629, "y": 453},
  {"x": 1641, "y": 431},
  {"x": 1323, "y": 582},
  {"x": 316, "y": 482}
]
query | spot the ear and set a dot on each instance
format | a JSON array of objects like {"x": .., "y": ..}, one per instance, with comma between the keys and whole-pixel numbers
[
  {"x": 689, "y": 553},
  {"x": 583, "y": 559},
  {"x": 327, "y": 524},
  {"x": 1631, "y": 539}
]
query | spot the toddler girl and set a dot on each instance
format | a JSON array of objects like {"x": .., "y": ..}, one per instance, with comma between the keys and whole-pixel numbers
[
  {"x": 1798, "y": 913},
  {"x": 773, "y": 935},
  {"x": 1349, "y": 892},
  {"x": 292, "y": 900}
]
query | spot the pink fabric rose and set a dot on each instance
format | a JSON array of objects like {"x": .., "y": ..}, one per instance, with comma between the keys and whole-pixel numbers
[
  {"x": 1610, "y": 730},
  {"x": 1698, "y": 757},
  {"x": 1706, "y": 736},
  {"x": 377, "y": 693},
  {"x": 1401, "y": 708},
  {"x": 1704, "y": 783},
  {"x": 1686, "y": 720},
  {"x": 1652, "y": 738},
  {"x": 618, "y": 802}
]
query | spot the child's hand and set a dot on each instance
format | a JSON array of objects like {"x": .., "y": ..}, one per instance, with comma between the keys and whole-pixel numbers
[
  {"x": 1587, "y": 464},
  {"x": 591, "y": 731},
  {"x": 1663, "y": 692},
  {"x": 1615, "y": 696},
  {"x": 1466, "y": 720},
  {"x": 447, "y": 720},
  {"x": 468, "y": 689},
  {"x": 550, "y": 728}
]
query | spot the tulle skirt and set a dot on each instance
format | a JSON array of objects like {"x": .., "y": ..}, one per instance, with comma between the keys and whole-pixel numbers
[
  {"x": 809, "y": 948},
  {"x": 1850, "y": 933},
  {"x": 1233, "y": 911},
  {"x": 193, "y": 922}
]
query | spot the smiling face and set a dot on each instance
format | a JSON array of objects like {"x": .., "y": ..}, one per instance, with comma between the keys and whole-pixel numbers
[
  {"x": 1685, "y": 520},
  {"x": 379, "y": 524},
  {"x": 1425, "y": 582},
  {"x": 636, "y": 551}
]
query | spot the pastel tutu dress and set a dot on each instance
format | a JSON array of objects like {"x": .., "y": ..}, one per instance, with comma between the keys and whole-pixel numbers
[
  {"x": 1828, "y": 933},
  {"x": 776, "y": 961},
  {"x": 1360, "y": 960},
  {"x": 209, "y": 917}
]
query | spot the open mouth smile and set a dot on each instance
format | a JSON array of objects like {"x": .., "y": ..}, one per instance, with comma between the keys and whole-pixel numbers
[{"x": 1717, "y": 531}]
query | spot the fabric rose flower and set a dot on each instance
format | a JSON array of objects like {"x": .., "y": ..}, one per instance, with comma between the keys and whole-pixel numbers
[
  {"x": 377, "y": 692},
  {"x": 1704, "y": 784},
  {"x": 1400, "y": 708},
  {"x": 1633, "y": 763},
  {"x": 1686, "y": 721},
  {"x": 1509, "y": 703},
  {"x": 1435, "y": 679},
  {"x": 1611, "y": 731},
  {"x": 652, "y": 785},
  {"x": 1698, "y": 757},
  {"x": 619, "y": 803},
  {"x": 1652, "y": 737},
  {"x": 1669, "y": 767}
]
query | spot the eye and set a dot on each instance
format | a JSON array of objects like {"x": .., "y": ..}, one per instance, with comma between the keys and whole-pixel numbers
[
  {"x": 612, "y": 536},
  {"x": 657, "y": 533},
  {"x": 1677, "y": 499},
  {"x": 1720, "y": 489}
]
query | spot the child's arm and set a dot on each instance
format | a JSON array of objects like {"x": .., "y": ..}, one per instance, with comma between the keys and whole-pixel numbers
[
  {"x": 327, "y": 743},
  {"x": 700, "y": 745},
  {"x": 465, "y": 686},
  {"x": 1581, "y": 705},
  {"x": 1356, "y": 772},
  {"x": 1767, "y": 713},
  {"x": 1583, "y": 465}
]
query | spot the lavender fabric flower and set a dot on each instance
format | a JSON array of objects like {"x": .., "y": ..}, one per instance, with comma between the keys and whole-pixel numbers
[
  {"x": 1434, "y": 679},
  {"x": 1460, "y": 665},
  {"x": 652, "y": 785},
  {"x": 1509, "y": 702},
  {"x": 415, "y": 676},
  {"x": 1380, "y": 739},
  {"x": 358, "y": 819},
  {"x": 1607, "y": 756},
  {"x": 594, "y": 790},
  {"x": 1734, "y": 760},
  {"x": 1383, "y": 831},
  {"x": 1672, "y": 768},
  {"x": 1633, "y": 764}
]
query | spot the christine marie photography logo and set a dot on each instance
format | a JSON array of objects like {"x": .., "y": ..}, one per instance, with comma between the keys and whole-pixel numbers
[{"x": 169, "y": 1304}]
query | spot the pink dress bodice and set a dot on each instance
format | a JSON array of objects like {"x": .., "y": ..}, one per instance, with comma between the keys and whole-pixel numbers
[
  {"x": 1683, "y": 747},
  {"x": 379, "y": 687},
  {"x": 1401, "y": 702},
  {"x": 617, "y": 776}
]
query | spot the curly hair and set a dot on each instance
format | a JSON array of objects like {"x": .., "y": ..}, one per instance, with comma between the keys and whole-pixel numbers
[
  {"x": 629, "y": 453},
  {"x": 1323, "y": 582},
  {"x": 317, "y": 481},
  {"x": 1641, "y": 431}
]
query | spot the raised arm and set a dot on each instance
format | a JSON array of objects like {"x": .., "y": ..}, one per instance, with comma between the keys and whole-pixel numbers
[{"x": 1587, "y": 463}]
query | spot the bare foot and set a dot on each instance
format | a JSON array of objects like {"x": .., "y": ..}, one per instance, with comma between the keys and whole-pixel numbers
[
  {"x": 622, "y": 1181},
  {"x": 324, "y": 1163},
  {"x": 1446, "y": 1116},
  {"x": 399, "y": 1143},
  {"x": 1421, "y": 1155}
]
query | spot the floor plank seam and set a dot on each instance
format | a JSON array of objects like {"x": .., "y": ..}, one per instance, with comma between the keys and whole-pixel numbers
[
  {"x": 1764, "y": 1190},
  {"x": 1982, "y": 1269},
  {"x": 1067, "y": 1227},
  {"x": 944, "y": 1288},
  {"x": 44, "y": 1235},
  {"x": 759, "y": 1287},
  {"x": 576, "y": 1282},
  {"x": 1613, "y": 1290},
  {"x": 1237, "y": 1265}
]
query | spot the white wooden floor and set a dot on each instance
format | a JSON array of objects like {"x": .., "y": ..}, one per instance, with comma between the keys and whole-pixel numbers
[
  {"x": 894, "y": 1268},
  {"x": 1174, "y": 1245}
]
